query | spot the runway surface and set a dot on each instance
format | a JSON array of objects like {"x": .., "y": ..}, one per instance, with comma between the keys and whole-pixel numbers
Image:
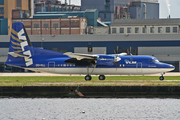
[{"x": 51, "y": 74}]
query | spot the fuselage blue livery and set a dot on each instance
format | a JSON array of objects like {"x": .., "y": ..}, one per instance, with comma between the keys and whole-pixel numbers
[{"x": 22, "y": 54}]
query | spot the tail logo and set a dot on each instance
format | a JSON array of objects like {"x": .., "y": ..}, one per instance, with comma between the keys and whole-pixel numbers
[{"x": 19, "y": 43}]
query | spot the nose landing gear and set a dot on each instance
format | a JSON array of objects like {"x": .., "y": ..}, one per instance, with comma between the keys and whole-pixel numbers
[{"x": 161, "y": 77}]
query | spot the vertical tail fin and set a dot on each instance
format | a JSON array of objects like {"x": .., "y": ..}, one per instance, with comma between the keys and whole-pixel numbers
[
  {"x": 20, "y": 45},
  {"x": 19, "y": 38}
]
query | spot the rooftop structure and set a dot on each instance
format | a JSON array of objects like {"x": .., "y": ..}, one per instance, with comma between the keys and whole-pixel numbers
[
  {"x": 108, "y": 9},
  {"x": 90, "y": 14},
  {"x": 144, "y": 9}
]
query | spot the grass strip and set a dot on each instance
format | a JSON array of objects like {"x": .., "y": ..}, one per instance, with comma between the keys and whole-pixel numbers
[{"x": 79, "y": 80}]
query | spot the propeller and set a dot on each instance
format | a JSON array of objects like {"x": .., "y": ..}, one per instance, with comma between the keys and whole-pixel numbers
[{"x": 116, "y": 61}]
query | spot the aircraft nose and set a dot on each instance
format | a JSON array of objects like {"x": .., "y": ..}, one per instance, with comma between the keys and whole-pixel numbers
[
  {"x": 170, "y": 66},
  {"x": 164, "y": 65}
]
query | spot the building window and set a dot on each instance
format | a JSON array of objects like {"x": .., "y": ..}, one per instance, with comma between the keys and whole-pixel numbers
[
  {"x": 107, "y": 3},
  {"x": 55, "y": 25},
  {"x": 175, "y": 30},
  {"x": 1, "y": 10},
  {"x": 104, "y": 17},
  {"x": 46, "y": 25},
  {"x": 18, "y": 3},
  {"x": 160, "y": 29},
  {"x": 128, "y": 30},
  {"x": 1, "y": 2},
  {"x": 128, "y": 50},
  {"x": 121, "y": 30},
  {"x": 152, "y": 30},
  {"x": 144, "y": 29},
  {"x": 167, "y": 29},
  {"x": 113, "y": 30},
  {"x": 36, "y": 25},
  {"x": 136, "y": 30}
]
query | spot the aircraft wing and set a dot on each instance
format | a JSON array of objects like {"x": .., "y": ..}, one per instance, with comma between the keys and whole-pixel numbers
[
  {"x": 80, "y": 56},
  {"x": 121, "y": 54}
]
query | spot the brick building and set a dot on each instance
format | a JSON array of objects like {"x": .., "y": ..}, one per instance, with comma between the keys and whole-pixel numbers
[{"x": 56, "y": 26}]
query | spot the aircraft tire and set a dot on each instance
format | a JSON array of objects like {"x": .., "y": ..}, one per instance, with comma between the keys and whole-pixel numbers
[
  {"x": 161, "y": 78},
  {"x": 88, "y": 78},
  {"x": 101, "y": 77}
]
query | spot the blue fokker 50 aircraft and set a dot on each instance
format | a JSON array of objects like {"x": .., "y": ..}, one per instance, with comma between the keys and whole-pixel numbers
[{"x": 22, "y": 54}]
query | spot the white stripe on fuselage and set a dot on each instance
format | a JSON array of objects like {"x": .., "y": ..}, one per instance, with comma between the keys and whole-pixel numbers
[{"x": 104, "y": 71}]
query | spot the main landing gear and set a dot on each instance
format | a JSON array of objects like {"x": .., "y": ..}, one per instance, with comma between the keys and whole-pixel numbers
[
  {"x": 101, "y": 77},
  {"x": 161, "y": 77},
  {"x": 88, "y": 77}
]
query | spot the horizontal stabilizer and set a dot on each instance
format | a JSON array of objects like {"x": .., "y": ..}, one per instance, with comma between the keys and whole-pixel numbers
[{"x": 18, "y": 55}]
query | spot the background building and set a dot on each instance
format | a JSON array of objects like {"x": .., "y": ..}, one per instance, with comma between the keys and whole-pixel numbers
[
  {"x": 61, "y": 26},
  {"x": 54, "y": 6},
  {"x": 144, "y": 9},
  {"x": 109, "y": 10},
  {"x": 12, "y": 8},
  {"x": 3, "y": 26},
  {"x": 146, "y": 26}
]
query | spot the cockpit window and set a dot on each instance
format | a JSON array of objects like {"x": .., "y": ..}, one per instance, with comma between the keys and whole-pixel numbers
[
  {"x": 156, "y": 60},
  {"x": 153, "y": 61}
]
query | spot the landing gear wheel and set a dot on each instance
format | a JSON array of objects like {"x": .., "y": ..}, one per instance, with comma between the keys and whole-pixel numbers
[
  {"x": 101, "y": 77},
  {"x": 161, "y": 78},
  {"x": 88, "y": 78}
]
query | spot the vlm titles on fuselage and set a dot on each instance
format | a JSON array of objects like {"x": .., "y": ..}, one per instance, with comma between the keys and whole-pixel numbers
[{"x": 22, "y": 54}]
